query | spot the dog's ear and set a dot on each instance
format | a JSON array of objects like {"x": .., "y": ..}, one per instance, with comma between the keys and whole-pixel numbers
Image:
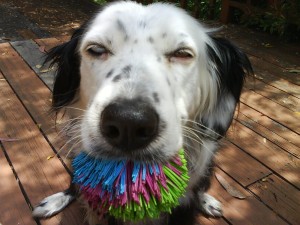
[
  {"x": 67, "y": 80},
  {"x": 232, "y": 66}
]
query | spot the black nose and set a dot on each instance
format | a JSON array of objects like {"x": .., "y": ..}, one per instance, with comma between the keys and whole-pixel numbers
[{"x": 129, "y": 124}]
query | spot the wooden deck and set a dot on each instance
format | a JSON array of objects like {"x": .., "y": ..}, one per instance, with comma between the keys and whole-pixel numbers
[{"x": 259, "y": 160}]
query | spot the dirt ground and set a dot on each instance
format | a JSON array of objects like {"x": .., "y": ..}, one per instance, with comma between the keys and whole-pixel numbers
[{"x": 42, "y": 18}]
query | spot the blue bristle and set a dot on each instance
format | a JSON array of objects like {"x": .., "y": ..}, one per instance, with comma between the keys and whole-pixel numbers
[
  {"x": 157, "y": 169},
  {"x": 135, "y": 172},
  {"x": 123, "y": 181},
  {"x": 144, "y": 172},
  {"x": 110, "y": 178},
  {"x": 150, "y": 169}
]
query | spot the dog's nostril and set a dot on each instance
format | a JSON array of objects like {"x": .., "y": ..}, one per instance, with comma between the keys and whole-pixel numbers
[
  {"x": 146, "y": 132},
  {"x": 111, "y": 131},
  {"x": 129, "y": 124}
]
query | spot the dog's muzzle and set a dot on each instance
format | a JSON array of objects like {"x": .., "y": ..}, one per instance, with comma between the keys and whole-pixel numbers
[{"x": 129, "y": 125}]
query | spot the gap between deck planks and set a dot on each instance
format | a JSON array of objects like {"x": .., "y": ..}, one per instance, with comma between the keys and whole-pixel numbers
[{"x": 242, "y": 223}]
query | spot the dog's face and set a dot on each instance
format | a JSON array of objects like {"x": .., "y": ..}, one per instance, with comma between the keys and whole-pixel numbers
[
  {"x": 138, "y": 74},
  {"x": 146, "y": 78}
]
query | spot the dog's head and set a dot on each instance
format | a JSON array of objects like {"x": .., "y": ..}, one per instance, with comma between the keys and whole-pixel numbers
[{"x": 139, "y": 74}]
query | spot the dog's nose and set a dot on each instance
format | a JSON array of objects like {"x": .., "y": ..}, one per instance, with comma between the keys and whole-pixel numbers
[{"x": 129, "y": 124}]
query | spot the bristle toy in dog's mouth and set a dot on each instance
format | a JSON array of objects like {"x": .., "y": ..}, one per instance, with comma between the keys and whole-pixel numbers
[{"x": 131, "y": 190}]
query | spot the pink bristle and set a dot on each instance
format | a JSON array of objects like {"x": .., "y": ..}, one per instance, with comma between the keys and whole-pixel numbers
[
  {"x": 174, "y": 169},
  {"x": 163, "y": 179},
  {"x": 177, "y": 161}
]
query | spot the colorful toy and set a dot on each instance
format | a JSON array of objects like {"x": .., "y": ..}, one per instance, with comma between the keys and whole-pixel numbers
[{"x": 131, "y": 190}]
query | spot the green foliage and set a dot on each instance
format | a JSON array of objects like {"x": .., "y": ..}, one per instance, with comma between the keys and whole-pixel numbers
[
  {"x": 282, "y": 18},
  {"x": 206, "y": 11},
  {"x": 100, "y": 2}
]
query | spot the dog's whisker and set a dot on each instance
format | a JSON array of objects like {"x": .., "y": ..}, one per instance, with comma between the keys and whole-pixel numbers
[
  {"x": 200, "y": 132},
  {"x": 75, "y": 145},
  {"x": 68, "y": 142},
  {"x": 205, "y": 127},
  {"x": 193, "y": 136},
  {"x": 75, "y": 108},
  {"x": 193, "y": 139}
]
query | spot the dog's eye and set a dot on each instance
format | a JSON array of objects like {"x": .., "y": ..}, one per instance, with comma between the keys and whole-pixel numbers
[
  {"x": 98, "y": 50},
  {"x": 183, "y": 53}
]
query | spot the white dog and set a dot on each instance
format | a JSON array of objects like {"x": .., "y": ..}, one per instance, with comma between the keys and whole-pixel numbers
[{"x": 149, "y": 80}]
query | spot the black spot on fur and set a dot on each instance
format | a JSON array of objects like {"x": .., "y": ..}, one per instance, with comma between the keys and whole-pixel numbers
[
  {"x": 126, "y": 69},
  {"x": 108, "y": 41},
  {"x": 156, "y": 97},
  {"x": 168, "y": 81},
  {"x": 117, "y": 78},
  {"x": 121, "y": 26},
  {"x": 108, "y": 75},
  {"x": 142, "y": 24},
  {"x": 126, "y": 38},
  {"x": 151, "y": 40}
]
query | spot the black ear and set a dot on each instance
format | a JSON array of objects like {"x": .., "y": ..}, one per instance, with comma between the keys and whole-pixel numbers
[
  {"x": 67, "y": 80},
  {"x": 232, "y": 64},
  {"x": 232, "y": 67}
]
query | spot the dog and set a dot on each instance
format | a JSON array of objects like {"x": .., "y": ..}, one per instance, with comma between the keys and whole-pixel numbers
[{"x": 147, "y": 81}]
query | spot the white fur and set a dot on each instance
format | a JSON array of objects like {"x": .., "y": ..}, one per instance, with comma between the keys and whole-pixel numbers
[
  {"x": 52, "y": 205},
  {"x": 210, "y": 206}
]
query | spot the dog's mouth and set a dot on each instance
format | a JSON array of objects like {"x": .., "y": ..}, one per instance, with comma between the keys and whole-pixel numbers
[{"x": 148, "y": 154}]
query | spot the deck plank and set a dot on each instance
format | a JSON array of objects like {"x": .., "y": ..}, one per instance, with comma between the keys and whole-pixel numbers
[
  {"x": 245, "y": 176},
  {"x": 266, "y": 152},
  {"x": 272, "y": 110},
  {"x": 37, "y": 99},
  {"x": 40, "y": 177},
  {"x": 270, "y": 135},
  {"x": 270, "y": 92},
  {"x": 280, "y": 196},
  {"x": 211, "y": 221},
  {"x": 272, "y": 125},
  {"x": 48, "y": 43},
  {"x": 268, "y": 76},
  {"x": 31, "y": 53},
  {"x": 13, "y": 207},
  {"x": 242, "y": 211}
]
